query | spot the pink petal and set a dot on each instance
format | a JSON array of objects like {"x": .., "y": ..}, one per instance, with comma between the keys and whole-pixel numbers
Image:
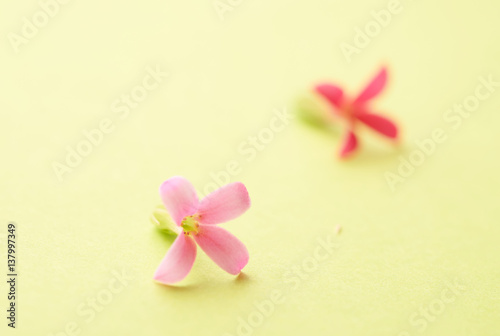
[
  {"x": 223, "y": 248},
  {"x": 224, "y": 204},
  {"x": 374, "y": 88},
  {"x": 179, "y": 197},
  {"x": 331, "y": 93},
  {"x": 350, "y": 144},
  {"x": 379, "y": 124},
  {"x": 178, "y": 261}
]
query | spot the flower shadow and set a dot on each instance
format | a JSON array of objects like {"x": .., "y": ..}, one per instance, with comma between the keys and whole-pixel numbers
[{"x": 241, "y": 281}]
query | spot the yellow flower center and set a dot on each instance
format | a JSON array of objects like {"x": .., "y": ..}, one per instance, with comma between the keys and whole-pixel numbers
[{"x": 190, "y": 224}]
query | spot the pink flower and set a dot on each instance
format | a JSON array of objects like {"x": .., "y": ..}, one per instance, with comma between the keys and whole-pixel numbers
[
  {"x": 357, "y": 110},
  {"x": 195, "y": 221}
]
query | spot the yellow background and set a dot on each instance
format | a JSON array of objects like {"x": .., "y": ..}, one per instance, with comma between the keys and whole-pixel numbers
[{"x": 398, "y": 250}]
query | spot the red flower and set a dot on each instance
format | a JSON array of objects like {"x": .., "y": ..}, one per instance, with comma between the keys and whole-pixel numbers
[{"x": 357, "y": 110}]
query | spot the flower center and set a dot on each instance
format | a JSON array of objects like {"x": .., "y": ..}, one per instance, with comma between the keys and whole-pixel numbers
[
  {"x": 190, "y": 224},
  {"x": 346, "y": 110}
]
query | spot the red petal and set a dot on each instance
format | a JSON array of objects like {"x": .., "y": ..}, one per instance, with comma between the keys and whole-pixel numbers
[
  {"x": 374, "y": 87},
  {"x": 380, "y": 124},
  {"x": 332, "y": 93}
]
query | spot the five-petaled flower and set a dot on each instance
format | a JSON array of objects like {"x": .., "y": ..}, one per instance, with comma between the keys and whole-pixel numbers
[
  {"x": 354, "y": 110},
  {"x": 195, "y": 224}
]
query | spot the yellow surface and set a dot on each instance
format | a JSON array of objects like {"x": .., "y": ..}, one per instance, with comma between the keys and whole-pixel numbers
[{"x": 431, "y": 244}]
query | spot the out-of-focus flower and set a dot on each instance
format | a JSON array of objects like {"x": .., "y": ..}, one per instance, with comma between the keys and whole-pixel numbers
[{"x": 357, "y": 110}]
